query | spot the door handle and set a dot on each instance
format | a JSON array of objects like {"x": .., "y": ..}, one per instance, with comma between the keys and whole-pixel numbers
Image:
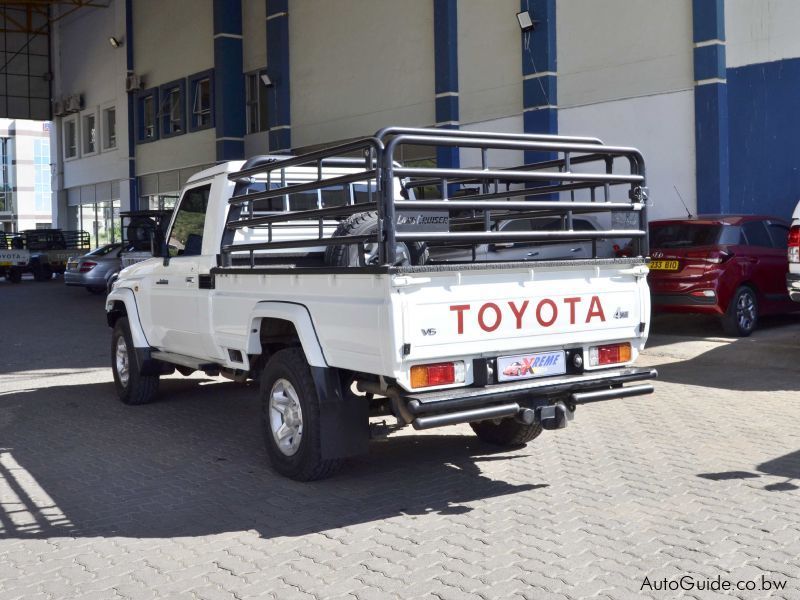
[
  {"x": 578, "y": 249},
  {"x": 162, "y": 282},
  {"x": 533, "y": 254},
  {"x": 190, "y": 280}
]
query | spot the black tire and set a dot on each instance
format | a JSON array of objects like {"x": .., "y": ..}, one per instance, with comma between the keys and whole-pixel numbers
[
  {"x": 42, "y": 273},
  {"x": 506, "y": 432},
  {"x": 366, "y": 223},
  {"x": 133, "y": 388},
  {"x": 96, "y": 290},
  {"x": 305, "y": 463},
  {"x": 14, "y": 275},
  {"x": 741, "y": 318}
]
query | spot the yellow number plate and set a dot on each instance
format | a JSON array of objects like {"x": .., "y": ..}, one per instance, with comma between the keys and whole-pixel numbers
[{"x": 663, "y": 265}]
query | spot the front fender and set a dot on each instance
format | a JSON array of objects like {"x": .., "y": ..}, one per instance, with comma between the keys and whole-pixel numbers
[
  {"x": 298, "y": 315},
  {"x": 126, "y": 297}
]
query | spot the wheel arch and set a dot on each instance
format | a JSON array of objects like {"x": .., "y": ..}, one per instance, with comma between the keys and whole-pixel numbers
[
  {"x": 289, "y": 319},
  {"x": 122, "y": 303}
]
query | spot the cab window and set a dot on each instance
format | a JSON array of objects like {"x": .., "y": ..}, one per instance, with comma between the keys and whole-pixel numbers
[
  {"x": 756, "y": 234},
  {"x": 186, "y": 236}
]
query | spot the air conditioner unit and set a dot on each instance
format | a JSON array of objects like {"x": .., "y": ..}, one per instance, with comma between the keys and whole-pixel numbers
[
  {"x": 74, "y": 103},
  {"x": 58, "y": 108},
  {"x": 133, "y": 83}
]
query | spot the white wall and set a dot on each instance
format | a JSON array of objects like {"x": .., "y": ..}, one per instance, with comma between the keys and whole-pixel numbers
[
  {"x": 662, "y": 128},
  {"x": 622, "y": 49},
  {"x": 761, "y": 31},
  {"x": 358, "y": 65},
  {"x": 88, "y": 65},
  {"x": 489, "y": 61}
]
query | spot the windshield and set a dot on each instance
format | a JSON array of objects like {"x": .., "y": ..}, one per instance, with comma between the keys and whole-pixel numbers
[{"x": 683, "y": 235}]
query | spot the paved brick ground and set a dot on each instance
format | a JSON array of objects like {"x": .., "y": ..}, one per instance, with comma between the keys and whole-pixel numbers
[{"x": 175, "y": 500}]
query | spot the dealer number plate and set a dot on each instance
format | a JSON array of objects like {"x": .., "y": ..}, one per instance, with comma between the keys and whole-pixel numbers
[
  {"x": 527, "y": 366},
  {"x": 663, "y": 265}
]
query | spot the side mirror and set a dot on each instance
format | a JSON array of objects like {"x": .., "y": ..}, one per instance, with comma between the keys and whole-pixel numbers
[{"x": 164, "y": 251}]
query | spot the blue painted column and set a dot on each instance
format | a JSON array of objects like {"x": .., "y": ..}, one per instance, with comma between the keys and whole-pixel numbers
[
  {"x": 278, "y": 94},
  {"x": 445, "y": 31},
  {"x": 711, "y": 107},
  {"x": 540, "y": 74},
  {"x": 229, "y": 100},
  {"x": 133, "y": 187}
]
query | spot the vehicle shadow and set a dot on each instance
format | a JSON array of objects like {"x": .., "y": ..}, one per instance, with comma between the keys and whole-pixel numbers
[
  {"x": 44, "y": 325},
  {"x": 786, "y": 467},
  {"x": 74, "y": 461},
  {"x": 765, "y": 361}
]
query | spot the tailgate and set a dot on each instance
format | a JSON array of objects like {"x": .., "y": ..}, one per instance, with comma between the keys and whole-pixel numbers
[
  {"x": 487, "y": 312},
  {"x": 10, "y": 258}
]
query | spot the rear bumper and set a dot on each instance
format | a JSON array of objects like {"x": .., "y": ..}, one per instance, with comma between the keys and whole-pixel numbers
[
  {"x": 449, "y": 407},
  {"x": 793, "y": 286},
  {"x": 686, "y": 303}
]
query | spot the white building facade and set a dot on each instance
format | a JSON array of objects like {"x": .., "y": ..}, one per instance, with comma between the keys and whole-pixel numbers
[
  {"x": 705, "y": 88},
  {"x": 25, "y": 178}
]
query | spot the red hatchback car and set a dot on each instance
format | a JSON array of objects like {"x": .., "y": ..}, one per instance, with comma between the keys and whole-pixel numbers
[{"x": 733, "y": 266}]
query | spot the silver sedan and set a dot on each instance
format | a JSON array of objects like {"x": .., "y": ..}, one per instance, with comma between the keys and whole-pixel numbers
[{"x": 94, "y": 270}]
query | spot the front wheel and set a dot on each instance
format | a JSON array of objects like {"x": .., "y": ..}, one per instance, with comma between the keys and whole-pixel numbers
[
  {"x": 506, "y": 432},
  {"x": 132, "y": 387},
  {"x": 741, "y": 317},
  {"x": 290, "y": 418}
]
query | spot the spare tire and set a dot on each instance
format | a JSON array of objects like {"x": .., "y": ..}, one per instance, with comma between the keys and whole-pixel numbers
[
  {"x": 366, "y": 223},
  {"x": 139, "y": 233}
]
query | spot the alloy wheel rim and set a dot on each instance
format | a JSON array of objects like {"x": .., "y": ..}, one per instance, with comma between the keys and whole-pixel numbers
[
  {"x": 285, "y": 417},
  {"x": 746, "y": 311},
  {"x": 121, "y": 361}
]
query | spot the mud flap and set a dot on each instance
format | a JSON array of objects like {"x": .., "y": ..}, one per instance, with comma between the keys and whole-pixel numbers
[{"x": 344, "y": 424}]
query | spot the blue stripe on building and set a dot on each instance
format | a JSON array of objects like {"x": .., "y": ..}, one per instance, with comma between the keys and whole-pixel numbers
[
  {"x": 445, "y": 28},
  {"x": 229, "y": 97},
  {"x": 711, "y": 107},
  {"x": 539, "y": 70},
  {"x": 133, "y": 187},
  {"x": 764, "y": 133},
  {"x": 278, "y": 94}
]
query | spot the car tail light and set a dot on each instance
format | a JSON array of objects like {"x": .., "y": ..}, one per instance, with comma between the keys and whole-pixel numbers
[
  {"x": 437, "y": 374},
  {"x": 714, "y": 257},
  {"x": 794, "y": 244},
  {"x": 609, "y": 354},
  {"x": 87, "y": 266}
]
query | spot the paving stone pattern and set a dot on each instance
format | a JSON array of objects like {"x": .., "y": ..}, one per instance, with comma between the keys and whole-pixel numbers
[{"x": 175, "y": 500}]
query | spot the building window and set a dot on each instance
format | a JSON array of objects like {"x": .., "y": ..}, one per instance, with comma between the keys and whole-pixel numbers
[
  {"x": 41, "y": 182},
  {"x": 109, "y": 128},
  {"x": 70, "y": 138},
  {"x": 256, "y": 99},
  {"x": 6, "y": 194},
  {"x": 172, "y": 112},
  {"x": 147, "y": 130},
  {"x": 89, "y": 134},
  {"x": 201, "y": 86}
]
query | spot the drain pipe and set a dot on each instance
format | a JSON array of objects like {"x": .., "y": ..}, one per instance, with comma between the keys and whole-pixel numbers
[{"x": 133, "y": 186}]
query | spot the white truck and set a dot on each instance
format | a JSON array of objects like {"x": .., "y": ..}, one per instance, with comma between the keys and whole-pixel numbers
[{"x": 325, "y": 278}]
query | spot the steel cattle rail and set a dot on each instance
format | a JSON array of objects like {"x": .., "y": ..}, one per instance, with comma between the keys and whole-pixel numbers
[{"x": 470, "y": 205}]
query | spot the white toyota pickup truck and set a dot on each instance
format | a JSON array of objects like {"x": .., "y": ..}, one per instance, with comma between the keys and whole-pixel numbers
[{"x": 355, "y": 288}]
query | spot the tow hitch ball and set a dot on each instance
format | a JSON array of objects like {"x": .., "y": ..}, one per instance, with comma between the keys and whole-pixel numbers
[{"x": 554, "y": 416}]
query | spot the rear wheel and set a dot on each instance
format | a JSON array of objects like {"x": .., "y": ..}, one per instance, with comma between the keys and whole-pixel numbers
[
  {"x": 506, "y": 432},
  {"x": 14, "y": 275},
  {"x": 132, "y": 387},
  {"x": 42, "y": 273},
  {"x": 742, "y": 316},
  {"x": 290, "y": 418},
  {"x": 366, "y": 223}
]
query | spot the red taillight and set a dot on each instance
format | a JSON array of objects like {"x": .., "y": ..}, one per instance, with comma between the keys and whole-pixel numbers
[
  {"x": 609, "y": 354},
  {"x": 87, "y": 266},
  {"x": 437, "y": 374},
  {"x": 715, "y": 257},
  {"x": 794, "y": 244}
]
